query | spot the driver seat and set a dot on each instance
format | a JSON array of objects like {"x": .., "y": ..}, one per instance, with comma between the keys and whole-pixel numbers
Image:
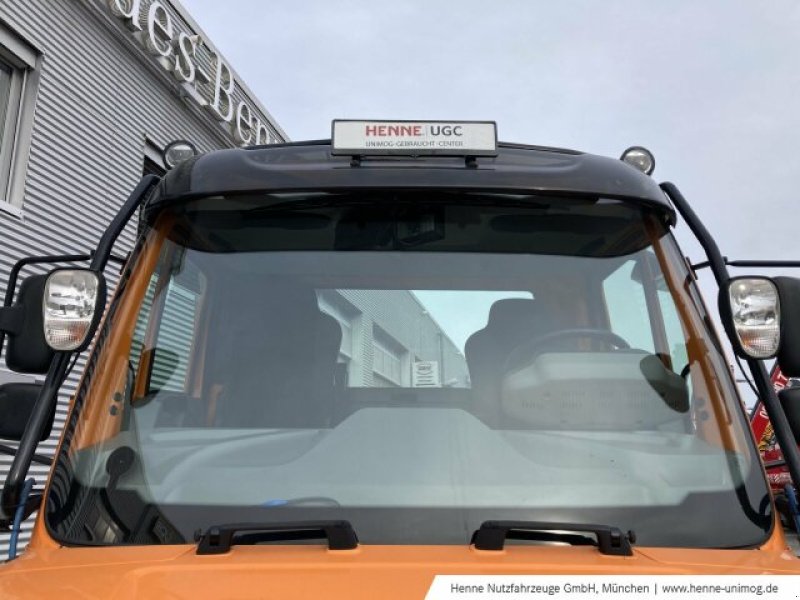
[
  {"x": 511, "y": 322},
  {"x": 277, "y": 358}
]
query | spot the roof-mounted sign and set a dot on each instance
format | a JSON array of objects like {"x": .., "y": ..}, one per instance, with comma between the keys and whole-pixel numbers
[{"x": 444, "y": 138}]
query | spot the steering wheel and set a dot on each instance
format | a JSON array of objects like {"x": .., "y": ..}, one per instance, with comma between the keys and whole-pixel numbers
[{"x": 530, "y": 348}]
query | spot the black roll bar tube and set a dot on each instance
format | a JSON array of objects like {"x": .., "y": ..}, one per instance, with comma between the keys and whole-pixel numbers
[
  {"x": 753, "y": 264},
  {"x": 12, "y": 489},
  {"x": 763, "y": 384},
  {"x": 765, "y": 264}
]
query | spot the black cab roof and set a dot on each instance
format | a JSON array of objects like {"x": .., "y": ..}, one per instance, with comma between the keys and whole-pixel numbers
[{"x": 306, "y": 166}]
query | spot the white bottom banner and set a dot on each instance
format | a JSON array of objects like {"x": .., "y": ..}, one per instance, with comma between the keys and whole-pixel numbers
[{"x": 630, "y": 587}]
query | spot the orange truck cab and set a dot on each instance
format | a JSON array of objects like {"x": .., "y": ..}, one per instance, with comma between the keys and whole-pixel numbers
[{"x": 342, "y": 368}]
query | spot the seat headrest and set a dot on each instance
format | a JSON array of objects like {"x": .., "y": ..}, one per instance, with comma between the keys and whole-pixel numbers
[{"x": 511, "y": 312}]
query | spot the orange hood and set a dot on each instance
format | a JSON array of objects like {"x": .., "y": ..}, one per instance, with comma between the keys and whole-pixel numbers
[{"x": 177, "y": 572}]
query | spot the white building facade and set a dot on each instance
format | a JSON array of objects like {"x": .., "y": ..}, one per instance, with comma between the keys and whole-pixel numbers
[{"x": 91, "y": 91}]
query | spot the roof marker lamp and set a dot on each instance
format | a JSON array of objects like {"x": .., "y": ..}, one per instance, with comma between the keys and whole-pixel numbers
[
  {"x": 73, "y": 302},
  {"x": 640, "y": 159},
  {"x": 177, "y": 152},
  {"x": 754, "y": 315}
]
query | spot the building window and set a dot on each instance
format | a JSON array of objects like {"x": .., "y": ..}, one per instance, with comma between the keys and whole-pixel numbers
[
  {"x": 18, "y": 82},
  {"x": 333, "y": 304},
  {"x": 152, "y": 168},
  {"x": 6, "y": 77},
  {"x": 387, "y": 358},
  {"x": 153, "y": 159}
]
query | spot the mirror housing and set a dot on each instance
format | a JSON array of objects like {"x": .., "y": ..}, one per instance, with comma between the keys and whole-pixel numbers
[
  {"x": 17, "y": 401},
  {"x": 26, "y": 348},
  {"x": 790, "y": 403},
  {"x": 789, "y": 351}
]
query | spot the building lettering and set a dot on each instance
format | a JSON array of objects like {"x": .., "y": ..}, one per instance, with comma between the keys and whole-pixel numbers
[{"x": 177, "y": 51}]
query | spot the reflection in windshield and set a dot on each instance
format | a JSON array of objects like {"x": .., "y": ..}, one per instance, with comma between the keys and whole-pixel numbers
[
  {"x": 458, "y": 317},
  {"x": 417, "y": 337}
]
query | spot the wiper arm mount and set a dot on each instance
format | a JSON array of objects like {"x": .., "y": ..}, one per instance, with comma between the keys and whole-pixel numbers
[
  {"x": 492, "y": 535},
  {"x": 219, "y": 538}
]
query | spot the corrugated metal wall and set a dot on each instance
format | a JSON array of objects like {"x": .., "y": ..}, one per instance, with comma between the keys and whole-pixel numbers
[
  {"x": 99, "y": 98},
  {"x": 402, "y": 317}
]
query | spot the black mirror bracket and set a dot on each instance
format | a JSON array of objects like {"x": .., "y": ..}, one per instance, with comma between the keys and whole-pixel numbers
[
  {"x": 766, "y": 392},
  {"x": 32, "y": 504}
]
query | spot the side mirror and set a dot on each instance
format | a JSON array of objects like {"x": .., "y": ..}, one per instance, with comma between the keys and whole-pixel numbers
[
  {"x": 56, "y": 312},
  {"x": 72, "y": 306},
  {"x": 789, "y": 351},
  {"x": 762, "y": 319},
  {"x": 17, "y": 401}
]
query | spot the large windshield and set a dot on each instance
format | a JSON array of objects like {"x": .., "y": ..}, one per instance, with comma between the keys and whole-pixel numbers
[{"x": 413, "y": 365}]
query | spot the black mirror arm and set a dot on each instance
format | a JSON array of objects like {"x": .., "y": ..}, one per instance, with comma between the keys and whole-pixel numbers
[
  {"x": 719, "y": 268},
  {"x": 37, "y": 458},
  {"x": 11, "y": 495}
]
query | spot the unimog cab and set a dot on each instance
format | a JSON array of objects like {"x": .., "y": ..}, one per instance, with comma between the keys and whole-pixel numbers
[{"x": 340, "y": 368}]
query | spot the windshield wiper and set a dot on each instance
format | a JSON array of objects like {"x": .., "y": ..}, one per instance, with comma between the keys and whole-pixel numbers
[
  {"x": 219, "y": 538},
  {"x": 610, "y": 540}
]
